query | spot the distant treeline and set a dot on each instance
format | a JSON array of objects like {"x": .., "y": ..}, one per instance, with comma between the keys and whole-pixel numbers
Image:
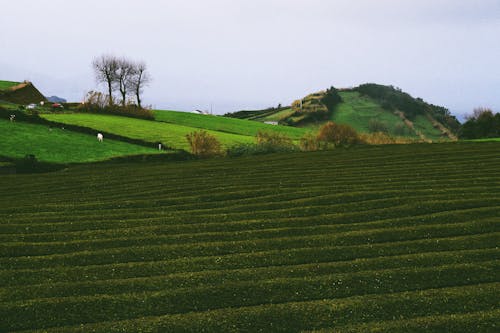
[{"x": 483, "y": 123}]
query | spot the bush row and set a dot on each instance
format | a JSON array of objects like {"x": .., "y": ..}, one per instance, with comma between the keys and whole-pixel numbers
[{"x": 88, "y": 309}]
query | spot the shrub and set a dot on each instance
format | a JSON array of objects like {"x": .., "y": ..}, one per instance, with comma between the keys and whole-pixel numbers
[
  {"x": 267, "y": 142},
  {"x": 97, "y": 102},
  {"x": 273, "y": 139},
  {"x": 337, "y": 134},
  {"x": 309, "y": 142},
  {"x": 204, "y": 144}
]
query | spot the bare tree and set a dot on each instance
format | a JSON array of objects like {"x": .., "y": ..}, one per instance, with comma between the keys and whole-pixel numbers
[
  {"x": 105, "y": 69},
  {"x": 124, "y": 76},
  {"x": 140, "y": 79}
]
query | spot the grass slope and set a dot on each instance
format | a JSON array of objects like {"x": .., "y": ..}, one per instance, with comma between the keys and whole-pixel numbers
[
  {"x": 20, "y": 139},
  {"x": 173, "y": 135},
  {"x": 346, "y": 241},
  {"x": 224, "y": 124},
  {"x": 4, "y": 85},
  {"x": 357, "y": 111}
]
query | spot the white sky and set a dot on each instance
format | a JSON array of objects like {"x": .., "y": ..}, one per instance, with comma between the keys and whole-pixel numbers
[{"x": 246, "y": 54}]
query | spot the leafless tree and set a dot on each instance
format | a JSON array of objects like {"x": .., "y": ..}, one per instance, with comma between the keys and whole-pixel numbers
[
  {"x": 140, "y": 79},
  {"x": 105, "y": 70},
  {"x": 124, "y": 76}
]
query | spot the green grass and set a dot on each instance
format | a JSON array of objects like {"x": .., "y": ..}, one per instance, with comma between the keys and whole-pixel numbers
[
  {"x": 344, "y": 241},
  {"x": 485, "y": 140},
  {"x": 20, "y": 139},
  {"x": 171, "y": 127},
  {"x": 7, "y": 84},
  {"x": 358, "y": 111},
  {"x": 280, "y": 115},
  {"x": 224, "y": 124},
  {"x": 423, "y": 125}
]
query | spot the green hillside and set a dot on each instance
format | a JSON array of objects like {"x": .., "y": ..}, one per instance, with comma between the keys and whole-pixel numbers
[
  {"x": 369, "y": 108},
  {"x": 171, "y": 135},
  {"x": 5, "y": 85},
  {"x": 58, "y": 145},
  {"x": 334, "y": 241},
  {"x": 20, "y": 93},
  {"x": 224, "y": 124}
]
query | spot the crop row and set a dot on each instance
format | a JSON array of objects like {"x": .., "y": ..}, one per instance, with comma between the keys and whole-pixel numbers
[
  {"x": 243, "y": 260},
  {"x": 222, "y": 276},
  {"x": 466, "y": 307},
  {"x": 140, "y": 252},
  {"x": 261, "y": 200},
  {"x": 87, "y": 309},
  {"x": 387, "y": 237},
  {"x": 331, "y": 232}
]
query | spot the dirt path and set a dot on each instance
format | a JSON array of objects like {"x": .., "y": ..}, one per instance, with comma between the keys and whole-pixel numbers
[
  {"x": 410, "y": 125},
  {"x": 441, "y": 128}
]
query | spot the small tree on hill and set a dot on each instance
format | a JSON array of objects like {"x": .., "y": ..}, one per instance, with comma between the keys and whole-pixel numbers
[
  {"x": 337, "y": 134},
  {"x": 203, "y": 144}
]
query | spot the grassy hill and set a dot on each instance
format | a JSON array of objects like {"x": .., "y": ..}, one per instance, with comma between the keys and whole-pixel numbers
[
  {"x": 345, "y": 241},
  {"x": 20, "y": 92},
  {"x": 171, "y": 127},
  {"x": 6, "y": 85},
  {"x": 368, "y": 113},
  {"x": 224, "y": 124},
  {"x": 58, "y": 145},
  {"x": 171, "y": 135}
]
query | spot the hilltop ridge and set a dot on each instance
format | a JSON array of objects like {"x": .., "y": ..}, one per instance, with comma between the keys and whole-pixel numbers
[
  {"x": 20, "y": 92},
  {"x": 368, "y": 108}
]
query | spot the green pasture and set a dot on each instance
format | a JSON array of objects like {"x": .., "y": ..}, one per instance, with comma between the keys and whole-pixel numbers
[
  {"x": 225, "y": 124},
  {"x": 358, "y": 111},
  {"x": 7, "y": 84},
  {"x": 57, "y": 145},
  {"x": 485, "y": 140},
  {"x": 422, "y": 124},
  {"x": 399, "y": 238},
  {"x": 172, "y": 135}
]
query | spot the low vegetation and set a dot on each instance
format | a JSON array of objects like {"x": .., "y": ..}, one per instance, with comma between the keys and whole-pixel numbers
[
  {"x": 346, "y": 240},
  {"x": 337, "y": 134},
  {"x": 97, "y": 102},
  {"x": 203, "y": 144}
]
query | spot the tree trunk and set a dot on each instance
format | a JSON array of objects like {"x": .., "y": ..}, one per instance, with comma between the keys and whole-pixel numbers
[
  {"x": 110, "y": 90},
  {"x": 138, "y": 96}
]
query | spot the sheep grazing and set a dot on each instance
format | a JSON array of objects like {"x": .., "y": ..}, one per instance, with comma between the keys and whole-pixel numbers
[{"x": 100, "y": 137}]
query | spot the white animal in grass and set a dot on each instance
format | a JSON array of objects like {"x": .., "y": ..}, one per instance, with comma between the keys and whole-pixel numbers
[{"x": 100, "y": 137}]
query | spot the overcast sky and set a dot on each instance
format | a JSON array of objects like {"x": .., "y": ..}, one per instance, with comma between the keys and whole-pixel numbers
[{"x": 248, "y": 54}]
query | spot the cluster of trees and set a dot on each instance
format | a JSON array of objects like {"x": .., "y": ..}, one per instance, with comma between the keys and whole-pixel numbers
[
  {"x": 331, "y": 99},
  {"x": 121, "y": 75},
  {"x": 483, "y": 123}
]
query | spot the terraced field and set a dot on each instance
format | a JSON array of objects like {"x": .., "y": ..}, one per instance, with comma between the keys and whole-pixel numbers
[{"x": 394, "y": 238}]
